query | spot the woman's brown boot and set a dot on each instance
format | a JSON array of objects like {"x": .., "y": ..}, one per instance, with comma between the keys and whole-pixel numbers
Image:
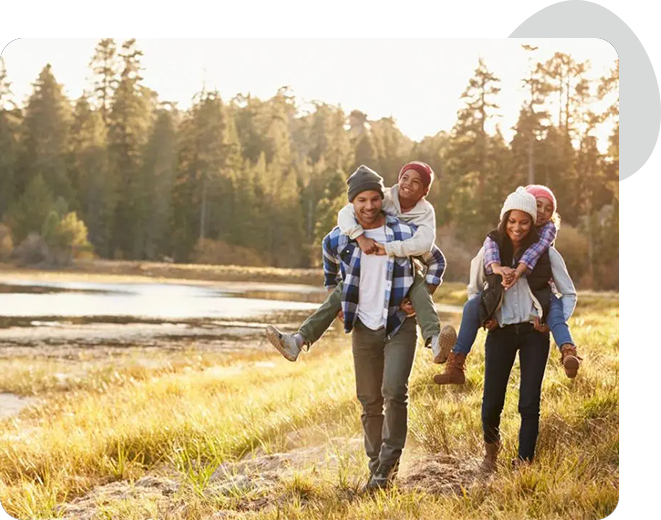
[
  {"x": 454, "y": 371},
  {"x": 490, "y": 456}
]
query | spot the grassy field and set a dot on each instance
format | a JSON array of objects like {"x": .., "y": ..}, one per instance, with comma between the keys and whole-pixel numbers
[{"x": 197, "y": 435}]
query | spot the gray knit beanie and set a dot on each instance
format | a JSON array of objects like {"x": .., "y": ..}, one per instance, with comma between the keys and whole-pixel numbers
[{"x": 364, "y": 179}]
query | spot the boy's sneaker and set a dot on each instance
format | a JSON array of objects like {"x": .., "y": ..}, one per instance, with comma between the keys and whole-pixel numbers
[
  {"x": 442, "y": 345},
  {"x": 284, "y": 342}
]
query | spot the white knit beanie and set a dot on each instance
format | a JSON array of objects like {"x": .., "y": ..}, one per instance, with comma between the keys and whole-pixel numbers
[{"x": 521, "y": 200}]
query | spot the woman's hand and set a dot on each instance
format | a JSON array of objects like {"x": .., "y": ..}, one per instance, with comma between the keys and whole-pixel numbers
[
  {"x": 491, "y": 324},
  {"x": 503, "y": 271},
  {"x": 516, "y": 274},
  {"x": 541, "y": 327},
  {"x": 511, "y": 279}
]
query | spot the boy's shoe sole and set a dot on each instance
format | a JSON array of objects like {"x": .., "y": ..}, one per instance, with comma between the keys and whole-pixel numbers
[
  {"x": 275, "y": 338},
  {"x": 446, "y": 340}
]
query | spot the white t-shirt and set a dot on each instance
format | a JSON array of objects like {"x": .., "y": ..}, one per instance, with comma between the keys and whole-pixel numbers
[{"x": 372, "y": 310}]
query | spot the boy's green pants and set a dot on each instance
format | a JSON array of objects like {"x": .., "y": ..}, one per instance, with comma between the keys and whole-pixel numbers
[{"x": 426, "y": 315}]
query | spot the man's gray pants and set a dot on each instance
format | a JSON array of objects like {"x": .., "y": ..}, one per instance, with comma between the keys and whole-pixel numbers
[{"x": 382, "y": 374}]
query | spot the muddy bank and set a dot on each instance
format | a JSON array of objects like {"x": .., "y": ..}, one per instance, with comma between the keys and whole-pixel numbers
[
  {"x": 260, "y": 482},
  {"x": 49, "y": 316},
  {"x": 11, "y": 404}
]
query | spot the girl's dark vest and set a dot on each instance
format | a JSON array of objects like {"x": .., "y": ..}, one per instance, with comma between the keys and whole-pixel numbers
[{"x": 538, "y": 281}]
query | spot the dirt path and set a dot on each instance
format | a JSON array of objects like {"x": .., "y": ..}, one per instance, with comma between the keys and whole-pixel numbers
[{"x": 258, "y": 480}]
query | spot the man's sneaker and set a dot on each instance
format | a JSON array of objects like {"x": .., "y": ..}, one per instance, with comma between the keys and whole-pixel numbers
[
  {"x": 442, "y": 345},
  {"x": 284, "y": 342}
]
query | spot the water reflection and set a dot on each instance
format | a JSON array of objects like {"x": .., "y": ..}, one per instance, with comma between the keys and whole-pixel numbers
[{"x": 149, "y": 300}]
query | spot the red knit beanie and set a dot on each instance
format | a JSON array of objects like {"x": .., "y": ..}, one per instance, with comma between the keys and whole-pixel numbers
[{"x": 425, "y": 171}]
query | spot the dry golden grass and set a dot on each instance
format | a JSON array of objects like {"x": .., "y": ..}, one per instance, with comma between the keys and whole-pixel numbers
[{"x": 182, "y": 421}]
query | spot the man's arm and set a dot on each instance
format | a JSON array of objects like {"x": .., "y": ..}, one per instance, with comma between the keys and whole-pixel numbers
[
  {"x": 435, "y": 262},
  {"x": 331, "y": 264}
]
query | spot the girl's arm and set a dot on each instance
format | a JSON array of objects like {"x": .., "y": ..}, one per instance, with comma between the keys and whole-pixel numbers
[{"x": 535, "y": 251}]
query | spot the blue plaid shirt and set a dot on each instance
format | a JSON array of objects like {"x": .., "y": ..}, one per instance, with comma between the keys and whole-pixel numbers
[{"x": 341, "y": 257}]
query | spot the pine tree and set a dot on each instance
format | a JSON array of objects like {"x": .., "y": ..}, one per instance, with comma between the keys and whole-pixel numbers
[
  {"x": 609, "y": 87},
  {"x": 90, "y": 165},
  {"x": 470, "y": 159},
  {"x": 159, "y": 168},
  {"x": 45, "y": 137},
  {"x": 105, "y": 69},
  {"x": 10, "y": 120},
  {"x": 130, "y": 119},
  {"x": 333, "y": 200},
  {"x": 204, "y": 182},
  {"x": 27, "y": 214}
]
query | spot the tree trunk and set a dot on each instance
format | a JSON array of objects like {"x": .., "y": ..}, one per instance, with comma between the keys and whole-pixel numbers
[
  {"x": 590, "y": 242},
  {"x": 310, "y": 220},
  {"x": 531, "y": 162},
  {"x": 203, "y": 211}
]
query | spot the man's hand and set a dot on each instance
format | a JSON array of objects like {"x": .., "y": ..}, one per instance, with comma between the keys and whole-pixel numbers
[
  {"x": 541, "y": 327},
  {"x": 407, "y": 307},
  {"x": 432, "y": 288},
  {"x": 491, "y": 324},
  {"x": 367, "y": 245}
]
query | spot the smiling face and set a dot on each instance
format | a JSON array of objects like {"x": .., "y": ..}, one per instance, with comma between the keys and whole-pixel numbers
[
  {"x": 544, "y": 210},
  {"x": 519, "y": 224},
  {"x": 367, "y": 205},
  {"x": 411, "y": 188}
]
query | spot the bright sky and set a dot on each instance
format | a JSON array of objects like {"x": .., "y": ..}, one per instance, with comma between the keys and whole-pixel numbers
[{"x": 416, "y": 81}]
